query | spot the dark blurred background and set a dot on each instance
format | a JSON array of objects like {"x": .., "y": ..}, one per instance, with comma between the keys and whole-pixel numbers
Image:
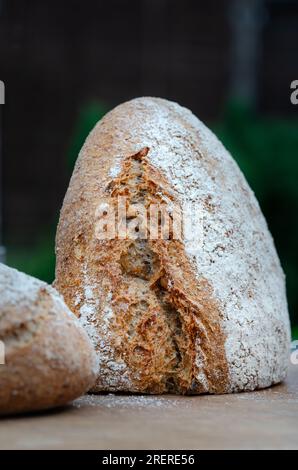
[{"x": 65, "y": 64}]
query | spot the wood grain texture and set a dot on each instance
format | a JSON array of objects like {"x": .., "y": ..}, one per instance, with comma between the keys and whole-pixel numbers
[{"x": 266, "y": 419}]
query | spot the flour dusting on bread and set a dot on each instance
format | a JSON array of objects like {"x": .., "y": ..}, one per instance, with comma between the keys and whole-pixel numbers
[
  {"x": 49, "y": 359},
  {"x": 165, "y": 317}
]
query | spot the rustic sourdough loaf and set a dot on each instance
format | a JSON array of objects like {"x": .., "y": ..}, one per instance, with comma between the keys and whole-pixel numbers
[
  {"x": 49, "y": 359},
  {"x": 201, "y": 313}
]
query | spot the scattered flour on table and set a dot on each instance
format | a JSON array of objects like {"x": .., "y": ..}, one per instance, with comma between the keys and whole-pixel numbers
[{"x": 112, "y": 400}]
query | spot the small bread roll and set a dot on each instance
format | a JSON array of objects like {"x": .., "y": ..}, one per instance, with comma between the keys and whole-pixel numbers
[
  {"x": 202, "y": 313},
  {"x": 49, "y": 359}
]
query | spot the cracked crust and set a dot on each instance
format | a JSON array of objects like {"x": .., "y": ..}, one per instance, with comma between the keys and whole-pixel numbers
[{"x": 162, "y": 318}]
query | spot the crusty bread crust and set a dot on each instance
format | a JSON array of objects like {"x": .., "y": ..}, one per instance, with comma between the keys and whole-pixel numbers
[
  {"x": 49, "y": 359},
  {"x": 161, "y": 318}
]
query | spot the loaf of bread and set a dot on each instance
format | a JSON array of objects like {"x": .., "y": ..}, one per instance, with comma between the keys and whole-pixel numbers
[
  {"x": 46, "y": 356},
  {"x": 204, "y": 312}
]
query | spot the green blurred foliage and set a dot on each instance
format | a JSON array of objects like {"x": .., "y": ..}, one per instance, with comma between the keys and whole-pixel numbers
[
  {"x": 266, "y": 150},
  {"x": 88, "y": 117},
  {"x": 39, "y": 260}
]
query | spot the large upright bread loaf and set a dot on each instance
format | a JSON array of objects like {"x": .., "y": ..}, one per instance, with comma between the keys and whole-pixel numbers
[
  {"x": 203, "y": 312},
  {"x": 46, "y": 357}
]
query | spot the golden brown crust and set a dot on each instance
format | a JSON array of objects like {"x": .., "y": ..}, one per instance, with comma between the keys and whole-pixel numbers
[
  {"x": 164, "y": 319},
  {"x": 235, "y": 333},
  {"x": 191, "y": 309}
]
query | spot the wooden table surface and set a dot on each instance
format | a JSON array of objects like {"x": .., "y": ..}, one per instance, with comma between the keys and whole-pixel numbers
[{"x": 260, "y": 420}]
